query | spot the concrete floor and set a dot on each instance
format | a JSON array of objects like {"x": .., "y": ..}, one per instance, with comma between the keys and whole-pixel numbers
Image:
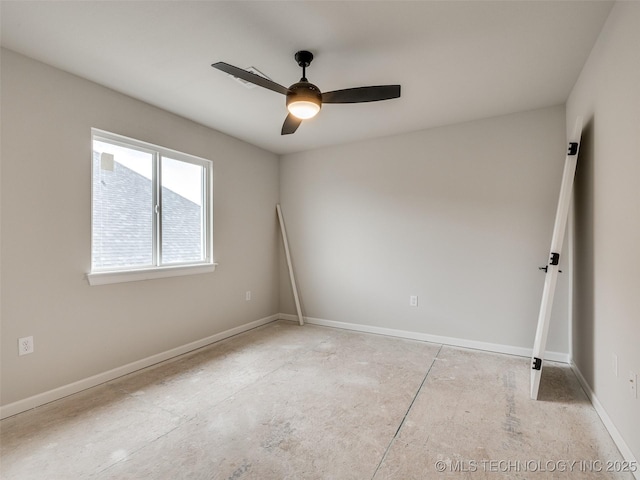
[{"x": 290, "y": 402}]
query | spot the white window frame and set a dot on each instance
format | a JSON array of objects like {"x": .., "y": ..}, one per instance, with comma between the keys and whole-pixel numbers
[{"x": 103, "y": 276}]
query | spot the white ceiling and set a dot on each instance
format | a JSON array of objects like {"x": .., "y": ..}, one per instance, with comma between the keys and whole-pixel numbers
[{"x": 456, "y": 60}]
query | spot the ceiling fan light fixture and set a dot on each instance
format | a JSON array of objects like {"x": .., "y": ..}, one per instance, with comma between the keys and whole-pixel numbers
[
  {"x": 303, "y": 109},
  {"x": 304, "y": 100}
]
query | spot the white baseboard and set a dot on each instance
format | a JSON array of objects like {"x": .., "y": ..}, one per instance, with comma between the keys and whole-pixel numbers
[
  {"x": 426, "y": 337},
  {"x": 625, "y": 451},
  {"x": 75, "y": 387}
]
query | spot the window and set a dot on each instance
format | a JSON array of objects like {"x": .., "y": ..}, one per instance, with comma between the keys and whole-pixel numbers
[{"x": 151, "y": 212}]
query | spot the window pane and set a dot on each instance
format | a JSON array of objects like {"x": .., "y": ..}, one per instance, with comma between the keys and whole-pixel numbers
[
  {"x": 122, "y": 207},
  {"x": 182, "y": 211}
]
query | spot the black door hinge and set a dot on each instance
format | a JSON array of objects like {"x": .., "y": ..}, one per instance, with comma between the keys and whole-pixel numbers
[{"x": 537, "y": 363}]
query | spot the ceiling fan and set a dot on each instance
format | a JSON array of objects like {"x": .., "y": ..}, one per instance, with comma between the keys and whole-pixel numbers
[{"x": 304, "y": 99}]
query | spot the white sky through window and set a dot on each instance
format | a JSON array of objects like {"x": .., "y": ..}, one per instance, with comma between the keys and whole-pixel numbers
[{"x": 181, "y": 177}]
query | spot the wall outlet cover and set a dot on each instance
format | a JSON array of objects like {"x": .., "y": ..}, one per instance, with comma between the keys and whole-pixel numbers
[{"x": 25, "y": 345}]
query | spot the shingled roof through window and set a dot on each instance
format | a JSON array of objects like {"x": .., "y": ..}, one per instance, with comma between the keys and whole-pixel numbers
[{"x": 123, "y": 216}]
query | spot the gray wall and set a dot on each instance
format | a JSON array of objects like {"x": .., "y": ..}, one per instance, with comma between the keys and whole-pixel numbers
[
  {"x": 80, "y": 330},
  {"x": 607, "y": 219},
  {"x": 460, "y": 216}
]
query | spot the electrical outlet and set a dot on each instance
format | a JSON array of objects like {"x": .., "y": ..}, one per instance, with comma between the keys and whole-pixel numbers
[
  {"x": 247, "y": 295},
  {"x": 25, "y": 345},
  {"x": 614, "y": 363},
  {"x": 633, "y": 384},
  {"x": 413, "y": 301}
]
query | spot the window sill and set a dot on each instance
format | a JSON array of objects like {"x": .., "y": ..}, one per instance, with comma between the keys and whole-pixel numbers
[{"x": 103, "y": 278}]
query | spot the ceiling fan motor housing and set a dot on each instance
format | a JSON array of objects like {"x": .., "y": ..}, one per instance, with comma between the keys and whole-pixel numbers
[{"x": 304, "y": 92}]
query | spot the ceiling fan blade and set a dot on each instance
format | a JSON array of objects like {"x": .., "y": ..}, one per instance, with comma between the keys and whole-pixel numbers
[
  {"x": 290, "y": 125},
  {"x": 250, "y": 77},
  {"x": 362, "y": 94}
]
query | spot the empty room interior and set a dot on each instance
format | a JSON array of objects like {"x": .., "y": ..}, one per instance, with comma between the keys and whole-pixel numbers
[{"x": 311, "y": 240}]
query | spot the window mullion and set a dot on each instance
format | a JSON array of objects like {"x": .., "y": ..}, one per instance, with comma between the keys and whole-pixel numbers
[
  {"x": 205, "y": 216},
  {"x": 157, "y": 210}
]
